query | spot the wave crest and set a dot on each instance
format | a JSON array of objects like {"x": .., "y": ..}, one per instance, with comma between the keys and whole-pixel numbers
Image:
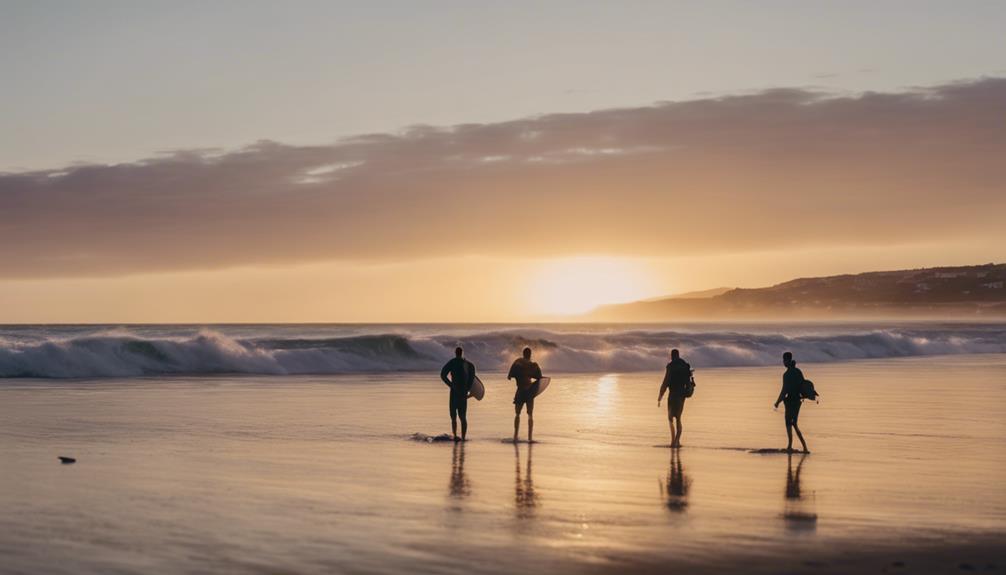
[{"x": 125, "y": 354}]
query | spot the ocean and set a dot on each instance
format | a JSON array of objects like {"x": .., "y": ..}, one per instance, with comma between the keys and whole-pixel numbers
[
  {"x": 138, "y": 350},
  {"x": 315, "y": 449}
]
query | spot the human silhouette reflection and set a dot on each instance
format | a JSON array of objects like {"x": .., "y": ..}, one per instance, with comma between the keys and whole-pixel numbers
[
  {"x": 675, "y": 489},
  {"x": 524, "y": 497},
  {"x": 459, "y": 485},
  {"x": 798, "y": 510}
]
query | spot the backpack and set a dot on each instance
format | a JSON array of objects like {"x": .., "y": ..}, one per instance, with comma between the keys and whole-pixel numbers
[
  {"x": 690, "y": 386},
  {"x": 807, "y": 390}
]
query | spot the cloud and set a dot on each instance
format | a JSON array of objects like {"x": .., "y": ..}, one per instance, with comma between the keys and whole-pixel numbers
[{"x": 770, "y": 170}]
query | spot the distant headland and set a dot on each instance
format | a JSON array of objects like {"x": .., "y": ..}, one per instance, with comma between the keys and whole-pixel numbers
[{"x": 963, "y": 292}]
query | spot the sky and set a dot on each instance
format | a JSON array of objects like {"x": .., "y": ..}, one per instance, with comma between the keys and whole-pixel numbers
[{"x": 467, "y": 161}]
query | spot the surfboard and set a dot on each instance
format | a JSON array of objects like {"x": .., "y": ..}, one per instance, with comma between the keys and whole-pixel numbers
[
  {"x": 542, "y": 385},
  {"x": 478, "y": 390}
]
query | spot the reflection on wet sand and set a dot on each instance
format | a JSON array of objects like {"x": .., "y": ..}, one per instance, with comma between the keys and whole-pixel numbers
[
  {"x": 524, "y": 497},
  {"x": 675, "y": 490},
  {"x": 459, "y": 485},
  {"x": 798, "y": 510}
]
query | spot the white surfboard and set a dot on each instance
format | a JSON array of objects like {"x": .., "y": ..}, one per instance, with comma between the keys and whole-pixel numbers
[
  {"x": 478, "y": 390},
  {"x": 542, "y": 385}
]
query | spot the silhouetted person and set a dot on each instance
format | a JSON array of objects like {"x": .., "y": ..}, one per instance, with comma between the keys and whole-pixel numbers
[
  {"x": 789, "y": 396},
  {"x": 676, "y": 380},
  {"x": 524, "y": 498},
  {"x": 528, "y": 374},
  {"x": 462, "y": 375}
]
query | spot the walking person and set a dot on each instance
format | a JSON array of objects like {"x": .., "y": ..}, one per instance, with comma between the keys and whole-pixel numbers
[
  {"x": 791, "y": 397},
  {"x": 677, "y": 378}
]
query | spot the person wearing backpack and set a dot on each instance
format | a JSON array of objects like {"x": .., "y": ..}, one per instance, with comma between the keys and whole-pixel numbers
[
  {"x": 791, "y": 397},
  {"x": 527, "y": 374},
  {"x": 678, "y": 381}
]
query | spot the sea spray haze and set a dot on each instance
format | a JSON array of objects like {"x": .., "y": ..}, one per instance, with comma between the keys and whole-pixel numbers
[{"x": 88, "y": 351}]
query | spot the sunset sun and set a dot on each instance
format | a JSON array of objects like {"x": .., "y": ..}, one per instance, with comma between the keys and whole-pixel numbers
[{"x": 576, "y": 285}]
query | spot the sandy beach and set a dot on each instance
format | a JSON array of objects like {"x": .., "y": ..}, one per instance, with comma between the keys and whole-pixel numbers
[{"x": 308, "y": 474}]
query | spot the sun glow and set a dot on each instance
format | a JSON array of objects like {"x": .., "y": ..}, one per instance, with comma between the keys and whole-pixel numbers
[{"x": 576, "y": 285}]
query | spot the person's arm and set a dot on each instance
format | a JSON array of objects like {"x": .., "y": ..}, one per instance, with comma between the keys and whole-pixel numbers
[
  {"x": 510, "y": 375},
  {"x": 537, "y": 373},
  {"x": 665, "y": 385},
  {"x": 471, "y": 376},
  {"x": 444, "y": 372},
  {"x": 782, "y": 392}
]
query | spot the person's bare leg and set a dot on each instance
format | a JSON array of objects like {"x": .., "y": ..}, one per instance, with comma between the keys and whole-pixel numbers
[
  {"x": 530, "y": 423},
  {"x": 674, "y": 435},
  {"x": 679, "y": 431},
  {"x": 516, "y": 422},
  {"x": 464, "y": 427},
  {"x": 799, "y": 435},
  {"x": 530, "y": 418},
  {"x": 789, "y": 434},
  {"x": 454, "y": 426}
]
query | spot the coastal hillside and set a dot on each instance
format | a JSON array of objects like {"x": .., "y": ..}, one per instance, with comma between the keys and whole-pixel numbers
[{"x": 966, "y": 292}]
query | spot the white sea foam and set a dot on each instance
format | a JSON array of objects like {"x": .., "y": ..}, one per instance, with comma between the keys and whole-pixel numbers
[{"x": 150, "y": 351}]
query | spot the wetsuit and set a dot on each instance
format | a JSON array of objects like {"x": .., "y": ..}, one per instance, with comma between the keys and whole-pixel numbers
[
  {"x": 462, "y": 376},
  {"x": 792, "y": 381},
  {"x": 527, "y": 373},
  {"x": 676, "y": 378}
]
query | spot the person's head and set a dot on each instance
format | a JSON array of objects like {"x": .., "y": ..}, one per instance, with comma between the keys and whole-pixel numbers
[
  {"x": 527, "y": 353},
  {"x": 787, "y": 359},
  {"x": 675, "y": 354},
  {"x": 458, "y": 352}
]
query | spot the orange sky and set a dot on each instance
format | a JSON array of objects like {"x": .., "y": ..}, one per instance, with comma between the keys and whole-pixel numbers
[
  {"x": 497, "y": 291},
  {"x": 516, "y": 220}
]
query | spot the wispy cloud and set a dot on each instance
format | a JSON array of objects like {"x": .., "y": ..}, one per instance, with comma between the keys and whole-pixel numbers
[{"x": 772, "y": 169}]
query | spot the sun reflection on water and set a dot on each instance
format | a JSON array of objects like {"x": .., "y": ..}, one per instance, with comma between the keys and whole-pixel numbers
[{"x": 606, "y": 393}]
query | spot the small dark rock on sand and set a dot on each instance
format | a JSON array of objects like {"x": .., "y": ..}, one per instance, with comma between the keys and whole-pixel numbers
[{"x": 66, "y": 460}]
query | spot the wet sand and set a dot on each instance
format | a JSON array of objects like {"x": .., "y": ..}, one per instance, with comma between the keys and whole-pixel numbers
[{"x": 322, "y": 474}]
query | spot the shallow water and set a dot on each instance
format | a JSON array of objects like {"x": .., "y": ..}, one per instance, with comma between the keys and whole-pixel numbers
[{"x": 319, "y": 473}]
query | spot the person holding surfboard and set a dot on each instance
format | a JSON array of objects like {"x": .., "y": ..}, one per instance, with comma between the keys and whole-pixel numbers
[
  {"x": 790, "y": 395},
  {"x": 677, "y": 377},
  {"x": 528, "y": 376},
  {"x": 462, "y": 376}
]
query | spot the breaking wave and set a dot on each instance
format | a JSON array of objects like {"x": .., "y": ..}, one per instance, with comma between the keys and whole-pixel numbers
[{"x": 122, "y": 353}]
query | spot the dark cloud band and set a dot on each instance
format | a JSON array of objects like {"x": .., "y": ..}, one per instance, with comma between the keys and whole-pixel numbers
[{"x": 767, "y": 170}]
